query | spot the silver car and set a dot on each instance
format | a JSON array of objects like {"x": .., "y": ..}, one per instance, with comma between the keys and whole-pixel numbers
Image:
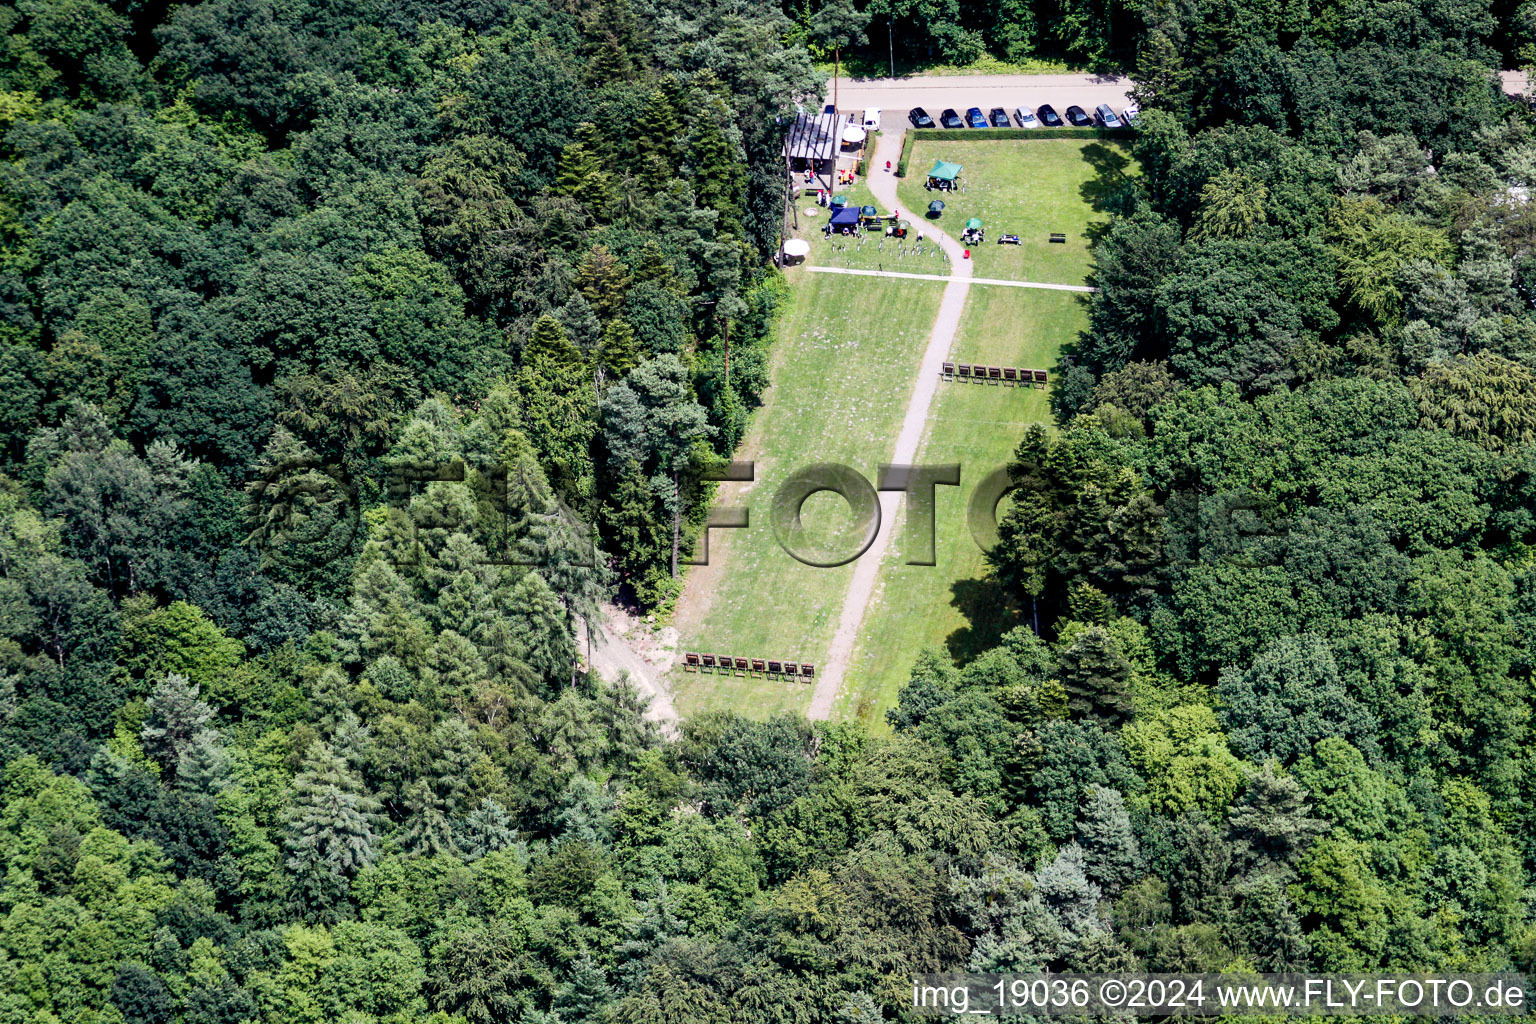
[
  {"x": 1025, "y": 118},
  {"x": 1107, "y": 116}
]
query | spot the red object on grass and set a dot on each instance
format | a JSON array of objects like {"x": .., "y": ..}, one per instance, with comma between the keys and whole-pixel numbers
[{"x": 967, "y": 254}]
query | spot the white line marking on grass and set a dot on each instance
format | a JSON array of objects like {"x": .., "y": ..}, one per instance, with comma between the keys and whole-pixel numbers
[{"x": 946, "y": 277}]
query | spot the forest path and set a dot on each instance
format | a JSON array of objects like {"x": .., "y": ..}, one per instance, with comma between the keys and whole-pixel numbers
[
  {"x": 867, "y": 567},
  {"x": 616, "y": 650}
]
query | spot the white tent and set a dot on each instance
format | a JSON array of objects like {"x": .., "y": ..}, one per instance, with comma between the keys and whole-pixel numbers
[{"x": 796, "y": 247}]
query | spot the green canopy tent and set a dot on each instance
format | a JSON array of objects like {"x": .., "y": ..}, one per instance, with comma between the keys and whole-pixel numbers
[{"x": 943, "y": 174}]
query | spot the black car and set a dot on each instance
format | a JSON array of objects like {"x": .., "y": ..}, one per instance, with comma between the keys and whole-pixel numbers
[
  {"x": 1079, "y": 117},
  {"x": 1048, "y": 116},
  {"x": 919, "y": 118},
  {"x": 999, "y": 118},
  {"x": 950, "y": 119}
]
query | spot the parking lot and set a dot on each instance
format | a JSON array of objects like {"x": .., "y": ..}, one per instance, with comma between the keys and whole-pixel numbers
[{"x": 895, "y": 96}]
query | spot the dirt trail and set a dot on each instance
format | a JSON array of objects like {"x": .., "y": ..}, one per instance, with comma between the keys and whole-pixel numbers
[
  {"x": 623, "y": 645},
  {"x": 865, "y": 571}
]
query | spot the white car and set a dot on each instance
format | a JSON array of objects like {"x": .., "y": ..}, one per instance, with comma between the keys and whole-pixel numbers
[
  {"x": 1129, "y": 114},
  {"x": 871, "y": 120},
  {"x": 1025, "y": 118}
]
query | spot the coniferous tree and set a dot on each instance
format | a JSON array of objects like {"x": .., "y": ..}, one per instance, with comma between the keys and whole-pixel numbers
[
  {"x": 330, "y": 831},
  {"x": 542, "y": 630},
  {"x": 1111, "y": 852},
  {"x": 176, "y": 730},
  {"x": 1095, "y": 674},
  {"x": 620, "y": 349},
  {"x": 484, "y": 830},
  {"x": 584, "y": 994}
]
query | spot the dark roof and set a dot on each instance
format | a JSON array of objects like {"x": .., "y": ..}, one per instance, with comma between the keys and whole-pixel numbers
[
  {"x": 812, "y": 137},
  {"x": 847, "y": 215}
]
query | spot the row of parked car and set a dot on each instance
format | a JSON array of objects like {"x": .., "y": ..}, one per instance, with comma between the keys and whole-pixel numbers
[{"x": 1103, "y": 116}]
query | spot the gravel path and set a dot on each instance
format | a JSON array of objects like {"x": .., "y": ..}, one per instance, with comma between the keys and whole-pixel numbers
[{"x": 866, "y": 569}]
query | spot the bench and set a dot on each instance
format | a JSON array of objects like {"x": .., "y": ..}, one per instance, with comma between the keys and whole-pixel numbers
[
  {"x": 995, "y": 373},
  {"x": 948, "y": 371},
  {"x": 807, "y": 671},
  {"x": 1057, "y": 236},
  {"x": 1039, "y": 378},
  {"x": 691, "y": 662},
  {"x": 964, "y": 370},
  {"x": 1010, "y": 375}
]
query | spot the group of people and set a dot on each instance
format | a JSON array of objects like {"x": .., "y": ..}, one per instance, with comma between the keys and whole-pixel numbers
[{"x": 845, "y": 176}]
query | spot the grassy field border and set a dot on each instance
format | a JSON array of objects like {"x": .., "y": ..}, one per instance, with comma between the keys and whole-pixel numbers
[{"x": 915, "y": 135}]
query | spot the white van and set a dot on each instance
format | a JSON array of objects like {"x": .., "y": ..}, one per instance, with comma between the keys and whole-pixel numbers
[{"x": 871, "y": 120}]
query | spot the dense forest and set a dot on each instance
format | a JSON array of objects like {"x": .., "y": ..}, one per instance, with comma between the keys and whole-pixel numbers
[{"x": 351, "y": 354}]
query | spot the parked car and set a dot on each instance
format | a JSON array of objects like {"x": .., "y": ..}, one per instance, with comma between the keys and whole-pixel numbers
[
  {"x": 1026, "y": 118},
  {"x": 919, "y": 118},
  {"x": 872, "y": 120},
  {"x": 975, "y": 118},
  {"x": 1130, "y": 113},
  {"x": 1079, "y": 117},
  {"x": 1048, "y": 115},
  {"x": 950, "y": 119},
  {"x": 999, "y": 118},
  {"x": 1107, "y": 116}
]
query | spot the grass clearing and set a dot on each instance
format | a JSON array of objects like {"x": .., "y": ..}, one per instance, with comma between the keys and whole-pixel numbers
[
  {"x": 1028, "y": 188},
  {"x": 843, "y": 367},
  {"x": 978, "y": 426},
  {"x": 874, "y": 251}
]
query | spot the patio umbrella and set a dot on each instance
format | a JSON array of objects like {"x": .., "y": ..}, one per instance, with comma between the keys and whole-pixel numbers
[
  {"x": 839, "y": 200},
  {"x": 974, "y": 223},
  {"x": 937, "y": 206},
  {"x": 796, "y": 247}
]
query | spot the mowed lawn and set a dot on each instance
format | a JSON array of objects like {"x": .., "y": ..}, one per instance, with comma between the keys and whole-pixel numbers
[
  {"x": 1030, "y": 188},
  {"x": 874, "y": 251},
  {"x": 843, "y": 368},
  {"x": 977, "y": 425}
]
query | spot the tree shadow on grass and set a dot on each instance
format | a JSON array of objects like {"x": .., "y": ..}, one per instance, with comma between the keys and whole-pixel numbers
[
  {"x": 989, "y": 613},
  {"x": 1109, "y": 190}
]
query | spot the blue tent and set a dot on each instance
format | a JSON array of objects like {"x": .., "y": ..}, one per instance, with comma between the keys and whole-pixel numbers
[{"x": 848, "y": 215}]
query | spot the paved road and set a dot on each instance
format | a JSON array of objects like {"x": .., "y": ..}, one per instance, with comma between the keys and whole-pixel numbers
[
  {"x": 866, "y": 570},
  {"x": 941, "y": 277},
  {"x": 934, "y": 93}
]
